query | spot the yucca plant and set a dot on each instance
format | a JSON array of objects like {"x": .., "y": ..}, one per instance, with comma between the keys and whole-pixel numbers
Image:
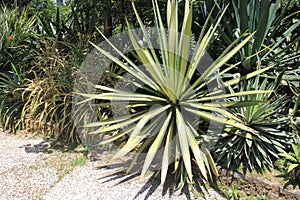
[
  {"x": 272, "y": 24},
  {"x": 255, "y": 151},
  {"x": 171, "y": 93}
]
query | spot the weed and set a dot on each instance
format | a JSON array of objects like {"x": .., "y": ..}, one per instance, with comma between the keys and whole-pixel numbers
[
  {"x": 81, "y": 161},
  {"x": 260, "y": 197},
  {"x": 233, "y": 193},
  {"x": 197, "y": 194}
]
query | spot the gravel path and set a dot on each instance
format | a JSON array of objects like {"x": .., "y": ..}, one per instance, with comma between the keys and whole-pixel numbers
[
  {"x": 26, "y": 172},
  {"x": 23, "y": 175}
]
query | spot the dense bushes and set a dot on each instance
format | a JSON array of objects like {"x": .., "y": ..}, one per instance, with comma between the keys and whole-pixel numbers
[{"x": 39, "y": 58}]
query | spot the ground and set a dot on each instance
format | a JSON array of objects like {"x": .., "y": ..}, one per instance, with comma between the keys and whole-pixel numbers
[{"x": 31, "y": 169}]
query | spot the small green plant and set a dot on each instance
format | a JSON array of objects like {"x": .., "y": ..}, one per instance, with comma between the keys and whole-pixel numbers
[
  {"x": 65, "y": 163},
  {"x": 81, "y": 161},
  {"x": 233, "y": 193},
  {"x": 62, "y": 172},
  {"x": 197, "y": 194},
  {"x": 260, "y": 197},
  {"x": 279, "y": 164},
  {"x": 293, "y": 159}
]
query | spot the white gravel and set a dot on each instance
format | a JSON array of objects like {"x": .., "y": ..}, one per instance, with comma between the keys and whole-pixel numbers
[
  {"x": 25, "y": 176},
  {"x": 21, "y": 176},
  {"x": 90, "y": 182}
]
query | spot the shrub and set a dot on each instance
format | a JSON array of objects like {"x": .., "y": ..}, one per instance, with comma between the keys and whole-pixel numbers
[
  {"x": 256, "y": 150},
  {"x": 171, "y": 94},
  {"x": 11, "y": 99},
  {"x": 49, "y": 90},
  {"x": 274, "y": 24},
  {"x": 17, "y": 36}
]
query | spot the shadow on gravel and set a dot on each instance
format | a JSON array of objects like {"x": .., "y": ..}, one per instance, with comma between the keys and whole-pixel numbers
[
  {"x": 150, "y": 186},
  {"x": 47, "y": 146},
  {"x": 43, "y": 147}
]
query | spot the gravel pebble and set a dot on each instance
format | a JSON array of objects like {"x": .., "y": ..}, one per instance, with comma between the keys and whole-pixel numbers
[
  {"x": 26, "y": 176},
  {"x": 99, "y": 184},
  {"x": 23, "y": 175}
]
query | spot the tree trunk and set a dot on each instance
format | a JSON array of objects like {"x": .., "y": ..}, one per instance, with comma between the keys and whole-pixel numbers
[{"x": 107, "y": 19}]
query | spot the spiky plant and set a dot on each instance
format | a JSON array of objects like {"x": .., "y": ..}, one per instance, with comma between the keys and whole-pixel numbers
[
  {"x": 274, "y": 25},
  {"x": 171, "y": 93},
  {"x": 17, "y": 31},
  {"x": 11, "y": 99},
  {"x": 48, "y": 91},
  {"x": 255, "y": 151}
]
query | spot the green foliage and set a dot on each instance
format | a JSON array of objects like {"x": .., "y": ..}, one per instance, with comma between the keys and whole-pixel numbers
[
  {"x": 49, "y": 91},
  {"x": 233, "y": 193},
  {"x": 273, "y": 26},
  {"x": 16, "y": 36},
  {"x": 86, "y": 15},
  {"x": 81, "y": 161},
  {"x": 293, "y": 159},
  {"x": 41, "y": 47},
  {"x": 17, "y": 33},
  {"x": 14, "y": 4},
  {"x": 11, "y": 100},
  {"x": 164, "y": 82},
  {"x": 42, "y": 8},
  {"x": 37, "y": 72},
  {"x": 255, "y": 151},
  {"x": 291, "y": 81},
  {"x": 260, "y": 197}
]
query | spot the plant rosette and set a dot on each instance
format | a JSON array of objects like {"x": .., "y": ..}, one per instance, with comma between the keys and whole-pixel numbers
[{"x": 168, "y": 103}]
